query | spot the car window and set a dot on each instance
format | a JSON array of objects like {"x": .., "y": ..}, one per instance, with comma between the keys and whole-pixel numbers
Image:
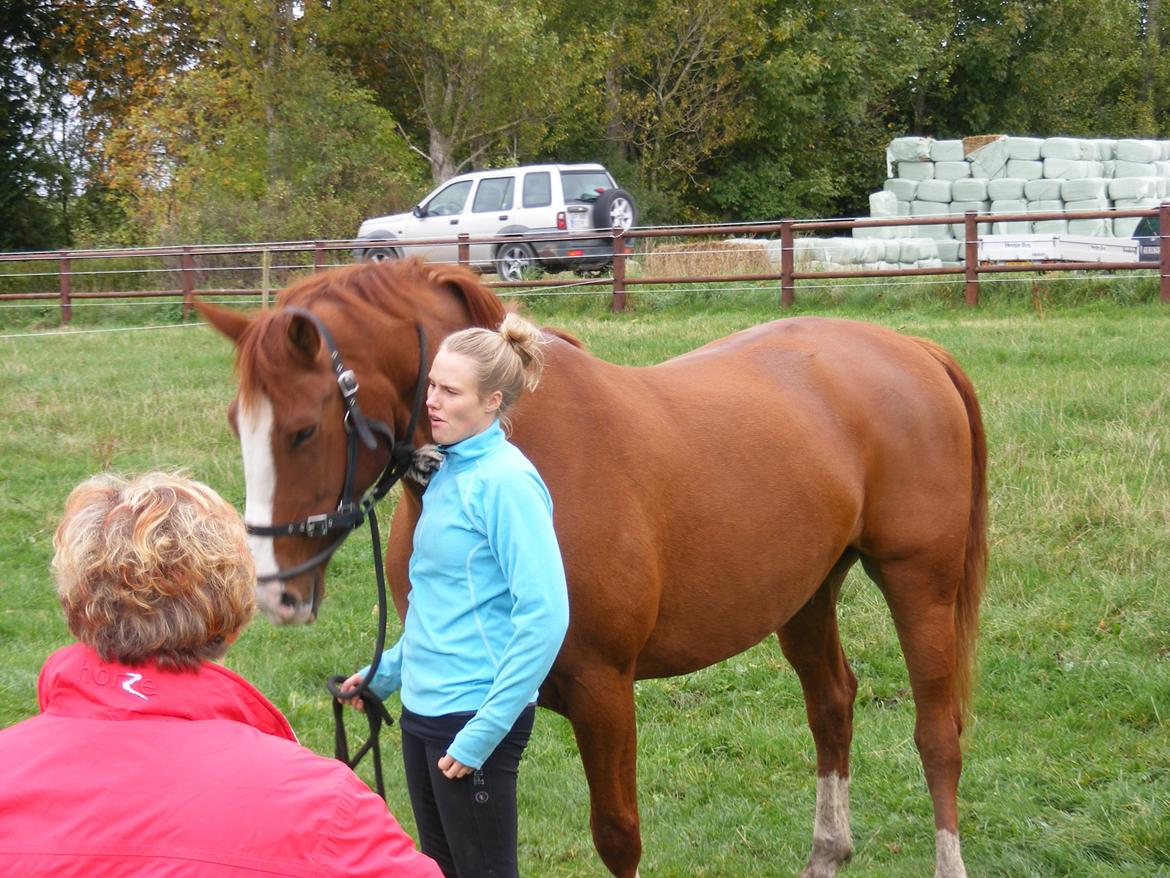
[
  {"x": 585, "y": 185},
  {"x": 494, "y": 193},
  {"x": 1148, "y": 227},
  {"x": 538, "y": 189},
  {"x": 449, "y": 201}
]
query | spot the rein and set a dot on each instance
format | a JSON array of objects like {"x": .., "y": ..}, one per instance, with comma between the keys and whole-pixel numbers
[{"x": 349, "y": 515}]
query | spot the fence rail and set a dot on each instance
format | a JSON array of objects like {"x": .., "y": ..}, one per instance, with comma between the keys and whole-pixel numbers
[{"x": 190, "y": 265}]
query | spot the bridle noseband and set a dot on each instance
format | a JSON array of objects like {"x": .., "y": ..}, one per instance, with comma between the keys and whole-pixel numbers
[{"x": 350, "y": 512}]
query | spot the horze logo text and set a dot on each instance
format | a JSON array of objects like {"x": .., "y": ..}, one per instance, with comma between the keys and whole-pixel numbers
[{"x": 130, "y": 682}]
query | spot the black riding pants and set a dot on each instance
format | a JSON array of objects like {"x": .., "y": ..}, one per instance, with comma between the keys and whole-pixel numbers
[{"x": 468, "y": 826}]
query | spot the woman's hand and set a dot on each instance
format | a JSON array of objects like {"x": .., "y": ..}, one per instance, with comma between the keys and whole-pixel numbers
[
  {"x": 348, "y": 686},
  {"x": 452, "y": 768}
]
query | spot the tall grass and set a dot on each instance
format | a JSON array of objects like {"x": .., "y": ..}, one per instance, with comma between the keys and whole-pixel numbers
[{"x": 1067, "y": 766}]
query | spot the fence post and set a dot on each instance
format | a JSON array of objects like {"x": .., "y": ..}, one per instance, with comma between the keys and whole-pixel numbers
[
  {"x": 971, "y": 256},
  {"x": 619, "y": 270},
  {"x": 265, "y": 268},
  {"x": 318, "y": 255},
  {"x": 464, "y": 249},
  {"x": 787, "y": 265},
  {"x": 66, "y": 305},
  {"x": 187, "y": 272},
  {"x": 1164, "y": 250}
]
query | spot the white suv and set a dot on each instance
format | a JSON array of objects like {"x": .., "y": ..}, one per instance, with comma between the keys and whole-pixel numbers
[{"x": 513, "y": 202}]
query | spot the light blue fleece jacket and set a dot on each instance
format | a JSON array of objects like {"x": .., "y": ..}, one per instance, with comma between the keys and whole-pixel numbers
[{"x": 488, "y": 606}]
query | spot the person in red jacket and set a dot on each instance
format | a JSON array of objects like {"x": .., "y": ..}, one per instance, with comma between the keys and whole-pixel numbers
[{"x": 148, "y": 758}]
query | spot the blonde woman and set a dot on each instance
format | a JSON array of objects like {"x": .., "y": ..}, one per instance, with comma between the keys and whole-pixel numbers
[
  {"x": 488, "y": 607},
  {"x": 149, "y": 758}
]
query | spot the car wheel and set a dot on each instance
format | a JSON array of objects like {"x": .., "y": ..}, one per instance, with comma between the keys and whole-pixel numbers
[
  {"x": 614, "y": 208},
  {"x": 514, "y": 260},
  {"x": 380, "y": 254}
]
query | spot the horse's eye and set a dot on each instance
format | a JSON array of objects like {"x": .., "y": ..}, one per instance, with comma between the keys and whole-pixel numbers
[{"x": 300, "y": 437}]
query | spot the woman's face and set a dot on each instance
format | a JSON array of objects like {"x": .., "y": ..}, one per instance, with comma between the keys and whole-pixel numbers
[{"x": 454, "y": 405}]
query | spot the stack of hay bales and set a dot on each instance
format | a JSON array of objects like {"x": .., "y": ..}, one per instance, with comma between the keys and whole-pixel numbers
[{"x": 1002, "y": 174}]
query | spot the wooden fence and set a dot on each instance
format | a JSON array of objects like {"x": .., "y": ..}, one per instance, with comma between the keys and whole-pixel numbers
[{"x": 188, "y": 264}]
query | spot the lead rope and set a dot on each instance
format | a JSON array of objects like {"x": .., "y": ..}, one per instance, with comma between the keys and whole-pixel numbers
[{"x": 375, "y": 709}]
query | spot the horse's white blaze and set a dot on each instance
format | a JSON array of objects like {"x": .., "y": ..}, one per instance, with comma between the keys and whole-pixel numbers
[
  {"x": 948, "y": 859},
  {"x": 832, "y": 837},
  {"x": 255, "y": 426}
]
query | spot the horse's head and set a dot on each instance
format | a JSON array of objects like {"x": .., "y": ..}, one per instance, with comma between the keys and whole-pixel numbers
[{"x": 293, "y": 420}]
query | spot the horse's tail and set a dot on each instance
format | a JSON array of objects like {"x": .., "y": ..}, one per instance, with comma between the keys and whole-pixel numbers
[{"x": 975, "y": 559}]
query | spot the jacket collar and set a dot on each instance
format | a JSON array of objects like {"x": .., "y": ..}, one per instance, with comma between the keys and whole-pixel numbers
[
  {"x": 76, "y": 682},
  {"x": 475, "y": 447}
]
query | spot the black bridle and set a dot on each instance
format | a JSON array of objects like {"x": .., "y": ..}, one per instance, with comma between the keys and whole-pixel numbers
[{"x": 348, "y": 516}]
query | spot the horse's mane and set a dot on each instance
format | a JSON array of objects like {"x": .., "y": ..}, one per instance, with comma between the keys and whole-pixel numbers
[{"x": 368, "y": 293}]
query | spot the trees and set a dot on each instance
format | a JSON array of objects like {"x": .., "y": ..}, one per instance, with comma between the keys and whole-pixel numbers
[{"x": 470, "y": 80}]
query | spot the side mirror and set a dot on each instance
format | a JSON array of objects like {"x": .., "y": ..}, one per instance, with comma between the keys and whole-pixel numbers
[{"x": 418, "y": 211}]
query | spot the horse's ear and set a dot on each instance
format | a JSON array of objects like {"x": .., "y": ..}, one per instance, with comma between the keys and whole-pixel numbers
[
  {"x": 483, "y": 308},
  {"x": 229, "y": 322},
  {"x": 303, "y": 338}
]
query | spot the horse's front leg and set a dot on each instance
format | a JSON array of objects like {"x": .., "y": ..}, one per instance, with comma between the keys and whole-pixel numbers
[{"x": 599, "y": 702}]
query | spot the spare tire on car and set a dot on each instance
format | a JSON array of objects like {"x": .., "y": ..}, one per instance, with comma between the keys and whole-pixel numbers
[{"x": 614, "y": 208}]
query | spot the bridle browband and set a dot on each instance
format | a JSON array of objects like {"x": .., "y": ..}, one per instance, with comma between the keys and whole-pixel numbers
[{"x": 350, "y": 513}]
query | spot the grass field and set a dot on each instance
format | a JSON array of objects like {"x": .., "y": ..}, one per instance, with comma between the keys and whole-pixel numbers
[{"x": 1068, "y": 755}]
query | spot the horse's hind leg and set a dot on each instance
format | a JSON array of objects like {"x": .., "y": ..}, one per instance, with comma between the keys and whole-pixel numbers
[
  {"x": 921, "y": 595},
  {"x": 812, "y": 645}
]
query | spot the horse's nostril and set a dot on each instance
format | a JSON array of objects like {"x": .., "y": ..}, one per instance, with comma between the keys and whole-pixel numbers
[{"x": 287, "y": 599}]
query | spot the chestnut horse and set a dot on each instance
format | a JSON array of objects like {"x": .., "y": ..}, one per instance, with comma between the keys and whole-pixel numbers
[{"x": 701, "y": 505}]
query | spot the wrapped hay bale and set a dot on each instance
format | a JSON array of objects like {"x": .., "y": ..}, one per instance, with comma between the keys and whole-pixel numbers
[
  {"x": 1025, "y": 169},
  {"x": 1067, "y": 148},
  {"x": 1048, "y": 226},
  {"x": 951, "y": 170},
  {"x": 893, "y": 252},
  {"x": 883, "y": 204},
  {"x": 1046, "y": 206},
  {"x": 1106, "y": 149},
  {"x": 1097, "y": 228},
  {"x": 959, "y": 230},
  {"x": 909, "y": 149},
  {"x": 1133, "y": 187},
  {"x": 916, "y": 170},
  {"x": 931, "y": 208},
  {"x": 946, "y": 151},
  {"x": 935, "y": 190},
  {"x": 1125, "y": 226},
  {"x": 969, "y": 190},
  {"x": 903, "y": 190},
  {"x": 1013, "y": 227},
  {"x": 1067, "y": 169},
  {"x": 1042, "y": 190},
  {"x": 933, "y": 262},
  {"x": 1098, "y": 203},
  {"x": 950, "y": 251},
  {"x": 988, "y": 159},
  {"x": 1138, "y": 151},
  {"x": 1079, "y": 190},
  {"x": 1125, "y": 168},
  {"x": 916, "y": 249},
  {"x": 1109, "y": 169},
  {"x": 1162, "y": 169},
  {"x": 1024, "y": 148},
  {"x": 871, "y": 252},
  {"x": 1005, "y": 188}
]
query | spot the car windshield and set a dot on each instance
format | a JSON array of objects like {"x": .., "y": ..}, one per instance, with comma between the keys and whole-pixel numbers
[{"x": 585, "y": 185}]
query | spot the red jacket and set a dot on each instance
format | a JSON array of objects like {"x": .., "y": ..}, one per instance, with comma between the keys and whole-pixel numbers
[{"x": 140, "y": 771}]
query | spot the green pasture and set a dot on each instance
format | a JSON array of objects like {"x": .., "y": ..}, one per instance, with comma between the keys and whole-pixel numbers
[{"x": 1067, "y": 767}]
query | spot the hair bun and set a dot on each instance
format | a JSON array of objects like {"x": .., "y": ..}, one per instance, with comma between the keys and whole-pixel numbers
[{"x": 524, "y": 337}]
